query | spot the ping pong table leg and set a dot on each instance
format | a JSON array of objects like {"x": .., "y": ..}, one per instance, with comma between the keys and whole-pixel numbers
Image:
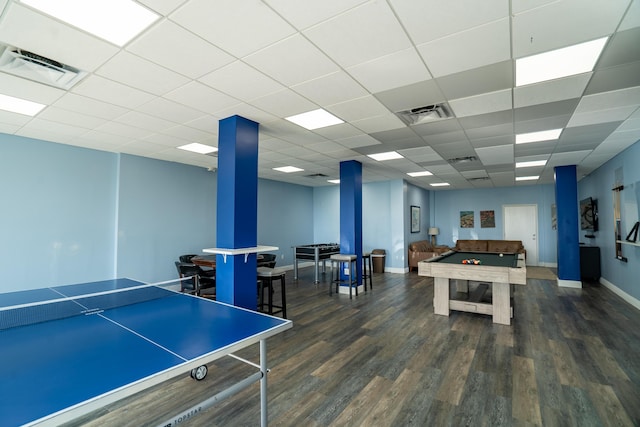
[{"x": 263, "y": 383}]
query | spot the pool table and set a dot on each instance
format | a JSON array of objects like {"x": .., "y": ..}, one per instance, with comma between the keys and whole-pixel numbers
[{"x": 499, "y": 271}]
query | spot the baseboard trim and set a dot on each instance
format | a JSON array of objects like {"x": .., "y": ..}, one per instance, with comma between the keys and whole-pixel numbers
[
  {"x": 396, "y": 270},
  {"x": 576, "y": 284},
  {"x": 622, "y": 294}
]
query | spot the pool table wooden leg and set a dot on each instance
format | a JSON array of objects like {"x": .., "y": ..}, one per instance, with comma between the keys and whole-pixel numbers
[
  {"x": 501, "y": 303},
  {"x": 441, "y": 296}
]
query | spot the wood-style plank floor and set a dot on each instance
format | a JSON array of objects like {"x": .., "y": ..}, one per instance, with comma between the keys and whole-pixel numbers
[{"x": 570, "y": 358}]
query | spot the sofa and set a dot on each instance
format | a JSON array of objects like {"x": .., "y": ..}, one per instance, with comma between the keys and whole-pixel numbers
[
  {"x": 496, "y": 246},
  {"x": 421, "y": 250}
]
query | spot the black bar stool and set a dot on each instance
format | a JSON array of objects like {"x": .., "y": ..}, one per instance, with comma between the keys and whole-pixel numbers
[
  {"x": 337, "y": 261},
  {"x": 366, "y": 270},
  {"x": 267, "y": 275}
]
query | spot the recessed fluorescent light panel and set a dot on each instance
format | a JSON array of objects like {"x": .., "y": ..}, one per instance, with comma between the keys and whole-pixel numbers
[
  {"x": 545, "y": 135},
  {"x": 315, "y": 119},
  {"x": 20, "y": 106},
  {"x": 198, "y": 148},
  {"x": 440, "y": 184},
  {"x": 117, "y": 21},
  {"x": 568, "y": 61},
  {"x": 416, "y": 174},
  {"x": 334, "y": 181},
  {"x": 531, "y": 164},
  {"x": 389, "y": 155},
  {"x": 527, "y": 178},
  {"x": 288, "y": 169}
]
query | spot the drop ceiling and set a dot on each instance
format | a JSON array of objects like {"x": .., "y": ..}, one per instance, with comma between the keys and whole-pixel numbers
[{"x": 363, "y": 61}]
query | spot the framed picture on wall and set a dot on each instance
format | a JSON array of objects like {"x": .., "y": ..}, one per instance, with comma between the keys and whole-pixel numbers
[
  {"x": 415, "y": 219},
  {"x": 487, "y": 219},
  {"x": 466, "y": 219}
]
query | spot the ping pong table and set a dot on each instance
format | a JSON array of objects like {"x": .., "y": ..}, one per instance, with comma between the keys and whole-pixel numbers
[{"x": 68, "y": 350}]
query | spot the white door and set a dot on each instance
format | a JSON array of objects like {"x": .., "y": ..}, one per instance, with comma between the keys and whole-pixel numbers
[{"x": 521, "y": 223}]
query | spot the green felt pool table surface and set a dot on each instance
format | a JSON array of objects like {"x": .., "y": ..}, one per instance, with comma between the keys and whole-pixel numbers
[{"x": 485, "y": 258}]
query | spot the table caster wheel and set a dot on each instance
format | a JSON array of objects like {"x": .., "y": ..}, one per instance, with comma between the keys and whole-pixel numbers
[{"x": 199, "y": 373}]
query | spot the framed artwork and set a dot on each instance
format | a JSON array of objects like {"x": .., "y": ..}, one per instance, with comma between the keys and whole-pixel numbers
[
  {"x": 466, "y": 219},
  {"x": 415, "y": 219},
  {"x": 487, "y": 219}
]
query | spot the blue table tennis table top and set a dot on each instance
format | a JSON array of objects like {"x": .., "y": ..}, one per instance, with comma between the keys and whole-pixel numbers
[{"x": 49, "y": 367}]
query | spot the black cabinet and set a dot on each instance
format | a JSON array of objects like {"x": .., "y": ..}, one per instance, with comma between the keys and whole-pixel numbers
[{"x": 590, "y": 263}]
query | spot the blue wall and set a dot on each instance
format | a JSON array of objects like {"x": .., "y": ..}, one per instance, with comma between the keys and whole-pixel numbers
[
  {"x": 448, "y": 204},
  {"x": 57, "y": 219},
  {"x": 164, "y": 210},
  {"x": 598, "y": 185}
]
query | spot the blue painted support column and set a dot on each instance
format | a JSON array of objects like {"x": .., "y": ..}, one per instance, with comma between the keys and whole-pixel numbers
[
  {"x": 237, "y": 217},
  {"x": 351, "y": 212},
  {"x": 566, "y": 186}
]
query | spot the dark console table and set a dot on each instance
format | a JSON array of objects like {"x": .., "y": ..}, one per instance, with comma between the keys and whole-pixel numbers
[{"x": 590, "y": 263}]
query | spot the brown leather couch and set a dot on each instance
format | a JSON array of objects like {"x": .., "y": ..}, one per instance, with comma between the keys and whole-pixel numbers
[
  {"x": 421, "y": 250},
  {"x": 496, "y": 246}
]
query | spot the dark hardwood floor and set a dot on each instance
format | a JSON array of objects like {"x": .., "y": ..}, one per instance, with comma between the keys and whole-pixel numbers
[{"x": 570, "y": 358}]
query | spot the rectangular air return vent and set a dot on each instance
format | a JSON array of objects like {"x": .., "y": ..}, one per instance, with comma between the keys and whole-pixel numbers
[
  {"x": 426, "y": 114},
  {"x": 317, "y": 175},
  {"x": 29, "y": 65},
  {"x": 467, "y": 159}
]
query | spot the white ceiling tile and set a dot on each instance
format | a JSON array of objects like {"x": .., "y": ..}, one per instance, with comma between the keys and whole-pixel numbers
[
  {"x": 144, "y": 121},
  {"x": 570, "y": 158},
  {"x": 551, "y": 91},
  {"x": 331, "y": 89},
  {"x": 93, "y": 107},
  {"x": 379, "y": 123},
  {"x": 397, "y": 69},
  {"x": 241, "y": 81},
  {"x": 232, "y": 25},
  {"x": 355, "y": 37},
  {"x": 111, "y": 92},
  {"x": 284, "y": 103},
  {"x": 26, "y": 89},
  {"x": 358, "y": 109},
  {"x": 497, "y": 155},
  {"x": 201, "y": 97},
  {"x": 122, "y": 129},
  {"x": 58, "y": 131},
  {"x": 52, "y": 39},
  {"x": 131, "y": 70},
  {"x": 14, "y": 120},
  {"x": 192, "y": 135},
  {"x": 169, "y": 110},
  {"x": 356, "y": 141},
  {"x": 166, "y": 140},
  {"x": 566, "y": 23},
  {"x": 605, "y": 100},
  {"x": 602, "y": 116},
  {"x": 632, "y": 18},
  {"x": 426, "y": 21},
  {"x": 291, "y": 61},
  {"x": 466, "y": 50},
  {"x": 247, "y": 111},
  {"x": 71, "y": 118},
  {"x": 177, "y": 49},
  {"x": 481, "y": 104},
  {"x": 163, "y": 7},
  {"x": 304, "y": 14}
]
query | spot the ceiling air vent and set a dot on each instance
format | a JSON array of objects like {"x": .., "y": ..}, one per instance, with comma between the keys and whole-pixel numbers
[
  {"x": 426, "y": 114},
  {"x": 479, "y": 178},
  {"x": 35, "y": 67},
  {"x": 317, "y": 175},
  {"x": 467, "y": 159}
]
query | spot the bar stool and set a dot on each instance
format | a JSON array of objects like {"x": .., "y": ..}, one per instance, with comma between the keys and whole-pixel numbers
[
  {"x": 366, "y": 270},
  {"x": 267, "y": 275},
  {"x": 338, "y": 260}
]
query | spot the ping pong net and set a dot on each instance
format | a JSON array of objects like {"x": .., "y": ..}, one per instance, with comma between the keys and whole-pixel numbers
[{"x": 64, "y": 306}]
